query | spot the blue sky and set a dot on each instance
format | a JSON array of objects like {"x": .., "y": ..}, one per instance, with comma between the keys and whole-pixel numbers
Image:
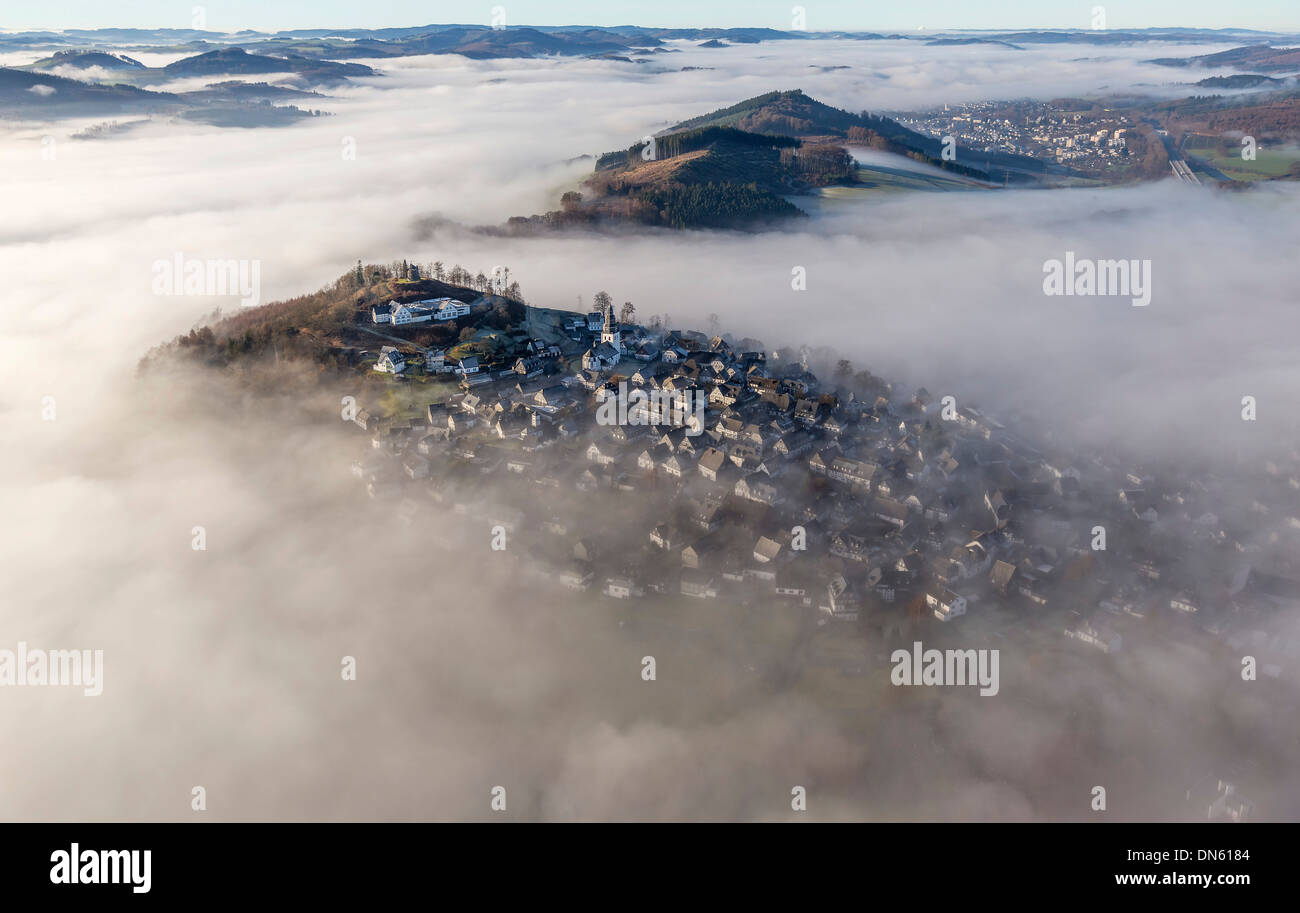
[{"x": 231, "y": 15}]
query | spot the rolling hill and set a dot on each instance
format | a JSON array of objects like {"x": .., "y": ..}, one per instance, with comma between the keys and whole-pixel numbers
[
  {"x": 704, "y": 177},
  {"x": 84, "y": 60},
  {"x": 36, "y": 94},
  {"x": 239, "y": 62},
  {"x": 734, "y": 167},
  {"x": 1251, "y": 57},
  {"x": 792, "y": 113}
]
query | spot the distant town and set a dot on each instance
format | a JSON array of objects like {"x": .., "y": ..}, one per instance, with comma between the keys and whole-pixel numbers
[{"x": 1084, "y": 139}]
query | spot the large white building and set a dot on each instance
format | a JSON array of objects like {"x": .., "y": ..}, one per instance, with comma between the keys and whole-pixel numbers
[
  {"x": 410, "y": 313},
  {"x": 418, "y": 311},
  {"x": 446, "y": 308}
]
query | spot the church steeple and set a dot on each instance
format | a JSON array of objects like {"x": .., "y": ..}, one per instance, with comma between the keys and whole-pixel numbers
[{"x": 610, "y": 333}]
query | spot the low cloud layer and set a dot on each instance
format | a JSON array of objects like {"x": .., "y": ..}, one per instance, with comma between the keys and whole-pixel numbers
[{"x": 222, "y": 665}]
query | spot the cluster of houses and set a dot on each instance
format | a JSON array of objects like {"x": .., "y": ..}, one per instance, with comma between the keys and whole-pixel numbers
[
  {"x": 846, "y": 499},
  {"x": 535, "y": 357}
]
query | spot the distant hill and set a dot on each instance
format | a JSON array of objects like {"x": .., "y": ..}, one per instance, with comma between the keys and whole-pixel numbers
[
  {"x": 237, "y": 61},
  {"x": 788, "y": 113},
  {"x": 84, "y": 60},
  {"x": 1270, "y": 117},
  {"x": 734, "y": 167},
  {"x": 478, "y": 42},
  {"x": 515, "y": 41},
  {"x": 234, "y": 90},
  {"x": 1239, "y": 81},
  {"x": 792, "y": 113},
  {"x": 27, "y": 90},
  {"x": 703, "y": 177},
  {"x": 1252, "y": 57},
  {"x": 520, "y": 42},
  {"x": 959, "y": 42},
  {"x": 39, "y": 94},
  {"x": 220, "y": 61},
  {"x": 484, "y": 42},
  {"x": 703, "y": 188}
]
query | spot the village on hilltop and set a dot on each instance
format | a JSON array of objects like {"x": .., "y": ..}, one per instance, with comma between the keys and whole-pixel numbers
[{"x": 845, "y": 499}]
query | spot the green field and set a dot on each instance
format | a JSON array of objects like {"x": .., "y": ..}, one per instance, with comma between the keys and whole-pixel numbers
[
  {"x": 883, "y": 177},
  {"x": 1226, "y": 157},
  {"x": 876, "y": 179},
  {"x": 485, "y": 343},
  {"x": 408, "y": 399}
]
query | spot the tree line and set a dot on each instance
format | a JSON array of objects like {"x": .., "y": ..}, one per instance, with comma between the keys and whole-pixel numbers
[
  {"x": 496, "y": 282},
  {"x": 714, "y": 205}
]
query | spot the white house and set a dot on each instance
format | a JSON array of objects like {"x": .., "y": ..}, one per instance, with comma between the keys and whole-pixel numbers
[
  {"x": 381, "y": 313},
  {"x": 601, "y": 455},
  {"x": 435, "y": 361},
  {"x": 600, "y": 358},
  {"x": 755, "y": 488},
  {"x": 622, "y": 588},
  {"x": 446, "y": 308},
  {"x": 390, "y": 361},
  {"x": 710, "y": 462},
  {"x": 410, "y": 313},
  {"x": 946, "y": 604}
]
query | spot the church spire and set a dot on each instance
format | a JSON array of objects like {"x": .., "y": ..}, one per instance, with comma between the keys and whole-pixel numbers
[{"x": 610, "y": 333}]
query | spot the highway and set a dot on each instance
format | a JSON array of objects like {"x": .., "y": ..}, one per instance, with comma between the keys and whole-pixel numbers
[
  {"x": 1176, "y": 161},
  {"x": 1182, "y": 172}
]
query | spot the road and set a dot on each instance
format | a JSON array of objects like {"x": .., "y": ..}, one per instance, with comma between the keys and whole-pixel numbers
[
  {"x": 1182, "y": 172},
  {"x": 1177, "y": 163}
]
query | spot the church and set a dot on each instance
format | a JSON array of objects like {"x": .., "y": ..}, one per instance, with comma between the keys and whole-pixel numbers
[{"x": 607, "y": 353}]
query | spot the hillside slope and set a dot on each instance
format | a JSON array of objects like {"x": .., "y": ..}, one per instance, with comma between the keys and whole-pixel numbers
[{"x": 792, "y": 113}]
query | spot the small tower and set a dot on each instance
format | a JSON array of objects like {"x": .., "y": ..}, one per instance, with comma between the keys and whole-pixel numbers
[{"x": 610, "y": 332}]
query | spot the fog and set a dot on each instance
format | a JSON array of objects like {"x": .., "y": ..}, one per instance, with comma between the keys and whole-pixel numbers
[{"x": 222, "y": 666}]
